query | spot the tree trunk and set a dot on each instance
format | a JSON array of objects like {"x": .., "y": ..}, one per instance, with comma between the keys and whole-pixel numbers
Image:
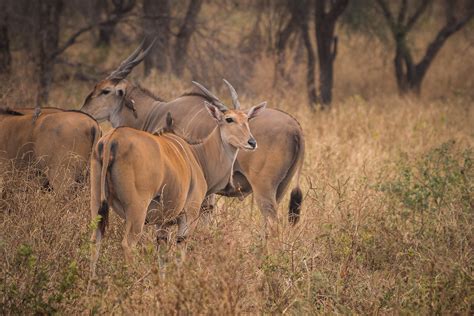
[
  {"x": 5, "y": 56},
  {"x": 93, "y": 15},
  {"x": 283, "y": 37},
  {"x": 310, "y": 81},
  {"x": 120, "y": 9},
  {"x": 156, "y": 25},
  {"x": 326, "y": 15},
  {"x": 184, "y": 35},
  {"x": 327, "y": 45},
  {"x": 409, "y": 74},
  {"x": 47, "y": 39},
  {"x": 301, "y": 10},
  {"x": 405, "y": 71},
  {"x": 100, "y": 11},
  {"x": 399, "y": 63},
  {"x": 297, "y": 24},
  {"x": 433, "y": 49},
  {"x": 105, "y": 33}
]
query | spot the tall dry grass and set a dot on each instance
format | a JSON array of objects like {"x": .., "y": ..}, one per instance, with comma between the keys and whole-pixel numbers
[
  {"x": 386, "y": 224},
  {"x": 386, "y": 228}
]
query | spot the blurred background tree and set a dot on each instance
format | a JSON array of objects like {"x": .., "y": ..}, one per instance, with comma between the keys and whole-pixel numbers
[
  {"x": 238, "y": 40},
  {"x": 409, "y": 73},
  {"x": 5, "y": 56},
  {"x": 113, "y": 12},
  {"x": 156, "y": 24}
]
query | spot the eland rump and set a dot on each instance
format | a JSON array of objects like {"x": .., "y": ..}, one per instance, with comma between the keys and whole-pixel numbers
[
  {"x": 267, "y": 172},
  {"x": 162, "y": 179},
  {"x": 60, "y": 141}
]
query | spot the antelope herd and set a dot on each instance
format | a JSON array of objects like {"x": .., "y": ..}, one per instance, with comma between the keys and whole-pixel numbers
[{"x": 162, "y": 162}]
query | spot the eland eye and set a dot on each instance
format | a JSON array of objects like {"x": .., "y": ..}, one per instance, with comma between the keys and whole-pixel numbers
[
  {"x": 229, "y": 119},
  {"x": 105, "y": 92}
]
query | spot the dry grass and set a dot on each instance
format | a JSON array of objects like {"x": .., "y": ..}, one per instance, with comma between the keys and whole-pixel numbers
[
  {"x": 386, "y": 225},
  {"x": 371, "y": 239}
]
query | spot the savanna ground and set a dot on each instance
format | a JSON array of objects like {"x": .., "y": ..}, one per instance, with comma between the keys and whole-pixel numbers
[{"x": 386, "y": 226}]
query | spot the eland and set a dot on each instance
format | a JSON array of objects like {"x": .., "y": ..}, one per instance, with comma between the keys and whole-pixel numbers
[
  {"x": 161, "y": 178},
  {"x": 267, "y": 172},
  {"x": 60, "y": 141}
]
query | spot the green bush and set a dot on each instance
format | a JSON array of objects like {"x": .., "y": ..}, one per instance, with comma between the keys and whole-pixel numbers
[
  {"x": 427, "y": 230},
  {"x": 439, "y": 179},
  {"x": 33, "y": 291}
]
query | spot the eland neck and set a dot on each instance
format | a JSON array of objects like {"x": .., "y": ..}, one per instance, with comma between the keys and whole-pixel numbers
[
  {"x": 216, "y": 159},
  {"x": 144, "y": 104}
]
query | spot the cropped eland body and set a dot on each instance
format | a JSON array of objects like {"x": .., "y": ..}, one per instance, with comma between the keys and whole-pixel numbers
[
  {"x": 60, "y": 141},
  {"x": 281, "y": 144},
  {"x": 160, "y": 178}
]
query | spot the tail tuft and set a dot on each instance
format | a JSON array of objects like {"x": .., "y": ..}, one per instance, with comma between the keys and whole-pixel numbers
[
  {"x": 104, "y": 217},
  {"x": 296, "y": 199}
]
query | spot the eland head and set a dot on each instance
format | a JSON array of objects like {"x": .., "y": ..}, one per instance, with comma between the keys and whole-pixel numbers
[
  {"x": 110, "y": 94},
  {"x": 233, "y": 123}
]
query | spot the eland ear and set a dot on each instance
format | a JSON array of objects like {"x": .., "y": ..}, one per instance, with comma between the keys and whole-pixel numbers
[
  {"x": 213, "y": 111},
  {"x": 254, "y": 111},
  {"x": 120, "y": 92},
  {"x": 169, "y": 121}
]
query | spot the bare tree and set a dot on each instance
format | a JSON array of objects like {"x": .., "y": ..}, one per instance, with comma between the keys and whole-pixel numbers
[
  {"x": 120, "y": 8},
  {"x": 46, "y": 45},
  {"x": 5, "y": 56},
  {"x": 326, "y": 15},
  {"x": 156, "y": 25},
  {"x": 301, "y": 9},
  {"x": 410, "y": 74},
  {"x": 47, "y": 48},
  {"x": 290, "y": 28},
  {"x": 184, "y": 35},
  {"x": 252, "y": 43},
  {"x": 297, "y": 25}
]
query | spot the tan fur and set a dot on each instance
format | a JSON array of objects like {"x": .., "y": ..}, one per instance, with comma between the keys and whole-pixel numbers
[
  {"x": 52, "y": 140},
  {"x": 267, "y": 172},
  {"x": 161, "y": 179}
]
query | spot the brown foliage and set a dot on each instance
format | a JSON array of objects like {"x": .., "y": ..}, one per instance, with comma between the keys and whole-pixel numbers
[
  {"x": 370, "y": 239},
  {"x": 359, "y": 247}
]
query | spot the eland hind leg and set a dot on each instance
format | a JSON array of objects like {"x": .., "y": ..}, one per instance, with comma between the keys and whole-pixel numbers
[
  {"x": 265, "y": 197},
  {"x": 96, "y": 236},
  {"x": 208, "y": 208},
  {"x": 188, "y": 220},
  {"x": 135, "y": 220}
]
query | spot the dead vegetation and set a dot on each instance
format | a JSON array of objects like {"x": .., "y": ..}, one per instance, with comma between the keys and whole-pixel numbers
[
  {"x": 386, "y": 223},
  {"x": 386, "y": 227}
]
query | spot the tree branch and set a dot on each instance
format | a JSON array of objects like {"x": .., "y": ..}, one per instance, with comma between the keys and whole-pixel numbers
[
  {"x": 72, "y": 39},
  {"x": 336, "y": 9},
  {"x": 286, "y": 32},
  {"x": 402, "y": 13},
  {"x": 450, "y": 11},
  {"x": 93, "y": 73},
  {"x": 121, "y": 8},
  {"x": 334, "y": 48},
  {"x": 319, "y": 6},
  {"x": 412, "y": 20},
  {"x": 388, "y": 16},
  {"x": 311, "y": 62},
  {"x": 435, "y": 46}
]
